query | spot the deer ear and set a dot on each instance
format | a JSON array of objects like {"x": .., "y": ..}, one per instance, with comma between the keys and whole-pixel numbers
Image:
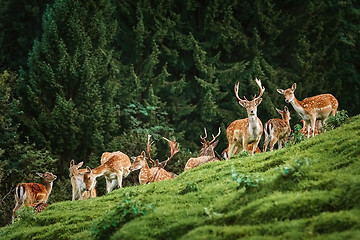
[
  {"x": 286, "y": 109},
  {"x": 258, "y": 101},
  {"x": 133, "y": 158},
  {"x": 88, "y": 169},
  {"x": 242, "y": 103},
  {"x": 72, "y": 163},
  {"x": 279, "y": 111},
  {"x": 80, "y": 164},
  {"x": 40, "y": 174},
  {"x": 143, "y": 154},
  {"x": 281, "y": 91},
  {"x": 293, "y": 87}
]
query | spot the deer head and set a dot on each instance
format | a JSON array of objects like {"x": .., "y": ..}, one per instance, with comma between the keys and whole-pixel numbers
[
  {"x": 207, "y": 148},
  {"x": 73, "y": 169},
  {"x": 288, "y": 93},
  {"x": 138, "y": 162},
  {"x": 48, "y": 177},
  {"x": 284, "y": 114},
  {"x": 251, "y": 106}
]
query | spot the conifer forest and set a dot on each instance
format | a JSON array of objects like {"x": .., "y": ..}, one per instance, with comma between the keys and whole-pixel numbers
[{"x": 79, "y": 78}]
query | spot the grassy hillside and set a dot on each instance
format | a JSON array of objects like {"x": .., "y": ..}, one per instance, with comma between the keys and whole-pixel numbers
[{"x": 309, "y": 190}]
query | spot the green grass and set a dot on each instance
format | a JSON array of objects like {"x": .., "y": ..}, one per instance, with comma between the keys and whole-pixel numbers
[{"x": 310, "y": 190}]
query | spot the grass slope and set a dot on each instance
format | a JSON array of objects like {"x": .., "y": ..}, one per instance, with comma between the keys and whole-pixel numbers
[{"x": 309, "y": 190}]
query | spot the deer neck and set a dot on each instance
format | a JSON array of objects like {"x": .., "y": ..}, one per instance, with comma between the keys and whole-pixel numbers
[
  {"x": 145, "y": 173},
  {"x": 253, "y": 123},
  {"x": 286, "y": 120},
  {"x": 99, "y": 171},
  {"x": 298, "y": 107},
  {"x": 48, "y": 186}
]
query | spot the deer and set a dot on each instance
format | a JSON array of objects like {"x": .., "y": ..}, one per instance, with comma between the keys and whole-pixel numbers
[
  {"x": 225, "y": 153},
  {"x": 277, "y": 130},
  {"x": 319, "y": 107},
  {"x": 40, "y": 206},
  {"x": 29, "y": 193},
  {"x": 156, "y": 172},
  {"x": 77, "y": 181},
  {"x": 246, "y": 131},
  {"x": 114, "y": 169},
  {"x": 206, "y": 154}
]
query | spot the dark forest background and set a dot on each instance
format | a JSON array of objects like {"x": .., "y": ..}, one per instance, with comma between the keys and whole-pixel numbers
[{"x": 82, "y": 77}]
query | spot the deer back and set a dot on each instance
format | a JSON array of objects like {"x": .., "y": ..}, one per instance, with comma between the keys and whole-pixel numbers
[
  {"x": 277, "y": 127},
  {"x": 33, "y": 192},
  {"x": 195, "y": 162},
  {"x": 321, "y": 104},
  {"x": 159, "y": 174}
]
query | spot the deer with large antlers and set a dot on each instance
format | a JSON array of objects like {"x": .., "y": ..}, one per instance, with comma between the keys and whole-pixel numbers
[
  {"x": 30, "y": 193},
  {"x": 77, "y": 181},
  {"x": 156, "y": 172},
  {"x": 206, "y": 154},
  {"x": 246, "y": 131},
  {"x": 319, "y": 107},
  {"x": 114, "y": 169},
  {"x": 277, "y": 130}
]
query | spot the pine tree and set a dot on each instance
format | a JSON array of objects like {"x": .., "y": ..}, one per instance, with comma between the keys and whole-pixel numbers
[{"x": 68, "y": 92}]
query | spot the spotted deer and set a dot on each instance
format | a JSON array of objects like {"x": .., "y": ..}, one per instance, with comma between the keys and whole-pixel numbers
[
  {"x": 246, "y": 131},
  {"x": 277, "y": 130},
  {"x": 77, "y": 181},
  {"x": 225, "y": 153},
  {"x": 114, "y": 169},
  {"x": 206, "y": 154},
  {"x": 156, "y": 172},
  {"x": 30, "y": 193},
  {"x": 319, "y": 107}
]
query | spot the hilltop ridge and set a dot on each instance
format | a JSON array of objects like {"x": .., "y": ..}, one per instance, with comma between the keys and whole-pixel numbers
[{"x": 308, "y": 190}]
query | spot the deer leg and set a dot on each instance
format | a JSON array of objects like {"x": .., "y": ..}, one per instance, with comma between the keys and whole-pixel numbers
[
  {"x": 308, "y": 128},
  {"x": 231, "y": 149},
  {"x": 279, "y": 144},
  {"x": 119, "y": 177},
  {"x": 17, "y": 206},
  {"x": 19, "y": 203},
  {"x": 255, "y": 146},
  {"x": 245, "y": 146},
  {"x": 266, "y": 142},
  {"x": 272, "y": 143},
  {"x": 73, "y": 194},
  {"x": 313, "y": 122},
  {"x": 108, "y": 185}
]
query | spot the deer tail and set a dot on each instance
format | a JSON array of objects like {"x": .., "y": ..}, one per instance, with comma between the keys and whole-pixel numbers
[
  {"x": 20, "y": 193},
  {"x": 269, "y": 130}
]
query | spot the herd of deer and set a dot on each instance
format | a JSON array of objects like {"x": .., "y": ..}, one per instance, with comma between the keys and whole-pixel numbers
[{"x": 243, "y": 134}]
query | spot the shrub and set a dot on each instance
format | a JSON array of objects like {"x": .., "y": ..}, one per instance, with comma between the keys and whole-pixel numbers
[
  {"x": 249, "y": 182},
  {"x": 190, "y": 187},
  {"x": 335, "y": 121},
  {"x": 295, "y": 170},
  {"x": 26, "y": 213},
  {"x": 296, "y": 136}
]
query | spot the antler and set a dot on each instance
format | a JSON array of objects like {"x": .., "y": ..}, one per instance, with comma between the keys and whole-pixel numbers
[
  {"x": 214, "y": 137},
  {"x": 236, "y": 89},
  {"x": 148, "y": 150},
  {"x": 204, "y": 138},
  {"x": 174, "y": 148},
  {"x": 262, "y": 89}
]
